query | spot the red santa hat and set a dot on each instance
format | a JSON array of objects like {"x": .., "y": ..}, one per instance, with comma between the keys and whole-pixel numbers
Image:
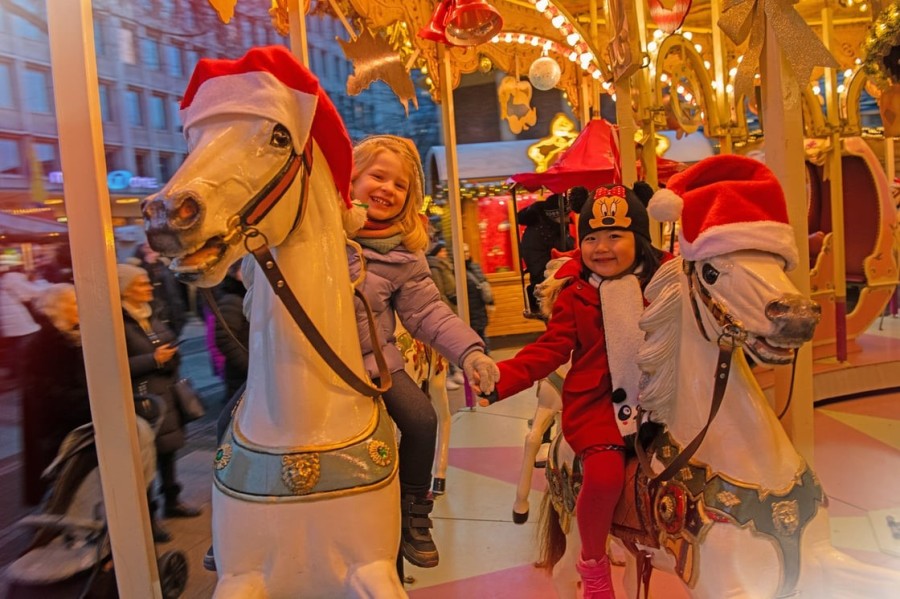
[
  {"x": 270, "y": 82},
  {"x": 727, "y": 203}
]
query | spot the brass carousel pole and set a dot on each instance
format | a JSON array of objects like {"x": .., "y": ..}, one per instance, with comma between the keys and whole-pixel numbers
[
  {"x": 721, "y": 96},
  {"x": 836, "y": 185},
  {"x": 297, "y": 21},
  {"x": 782, "y": 118},
  {"x": 624, "y": 114},
  {"x": 448, "y": 126},
  {"x": 72, "y": 56}
]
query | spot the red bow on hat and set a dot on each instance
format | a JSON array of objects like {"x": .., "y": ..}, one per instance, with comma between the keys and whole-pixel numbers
[{"x": 605, "y": 192}]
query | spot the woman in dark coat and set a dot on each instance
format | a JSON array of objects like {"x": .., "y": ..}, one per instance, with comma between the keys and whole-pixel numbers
[
  {"x": 55, "y": 386},
  {"x": 153, "y": 362},
  {"x": 229, "y": 296}
]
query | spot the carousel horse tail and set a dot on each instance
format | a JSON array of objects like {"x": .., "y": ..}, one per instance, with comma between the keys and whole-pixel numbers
[{"x": 552, "y": 538}]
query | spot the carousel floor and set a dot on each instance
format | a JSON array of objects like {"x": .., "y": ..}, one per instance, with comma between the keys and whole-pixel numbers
[{"x": 485, "y": 555}]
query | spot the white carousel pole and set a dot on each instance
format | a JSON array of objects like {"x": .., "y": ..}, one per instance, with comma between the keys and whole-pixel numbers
[
  {"x": 448, "y": 125},
  {"x": 782, "y": 116},
  {"x": 102, "y": 331},
  {"x": 297, "y": 24}
]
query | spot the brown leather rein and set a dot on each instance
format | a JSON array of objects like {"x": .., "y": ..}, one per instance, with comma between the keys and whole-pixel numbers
[
  {"x": 246, "y": 219},
  {"x": 733, "y": 333}
]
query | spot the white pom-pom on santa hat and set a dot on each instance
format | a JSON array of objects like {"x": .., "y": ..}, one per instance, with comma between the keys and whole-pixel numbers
[
  {"x": 353, "y": 219},
  {"x": 665, "y": 205},
  {"x": 270, "y": 82},
  {"x": 732, "y": 203}
]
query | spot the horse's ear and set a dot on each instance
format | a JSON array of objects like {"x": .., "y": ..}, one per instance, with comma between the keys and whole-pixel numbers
[{"x": 329, "y": 132}]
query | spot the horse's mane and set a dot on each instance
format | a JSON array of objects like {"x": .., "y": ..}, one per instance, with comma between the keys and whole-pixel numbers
[
  {"x": 657, "y": 357},
  {"x": 548, "y": 290}
]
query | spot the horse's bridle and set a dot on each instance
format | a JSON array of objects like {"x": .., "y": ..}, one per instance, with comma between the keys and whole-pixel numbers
[
  {"x": 243, "y": 224},
  {"x": 733, "y": 333}
]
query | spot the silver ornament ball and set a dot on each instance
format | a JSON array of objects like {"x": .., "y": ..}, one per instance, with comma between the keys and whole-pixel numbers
[{"x": 544, "y": 73}]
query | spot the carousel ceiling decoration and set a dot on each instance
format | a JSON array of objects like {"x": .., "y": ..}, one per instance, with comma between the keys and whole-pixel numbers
[
  {"x": 669, "y": 20},
  {"x": 462, "y": 23},
  {"x": 745, "y": 21},
  {"x": 514, "y": 96},
  {"x": 374, "y": 58}
]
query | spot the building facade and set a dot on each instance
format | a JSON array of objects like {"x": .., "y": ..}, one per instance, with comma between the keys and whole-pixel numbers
[{"x": 146, "y": 51}]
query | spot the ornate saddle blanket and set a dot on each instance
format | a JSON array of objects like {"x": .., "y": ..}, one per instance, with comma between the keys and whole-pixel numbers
[
  {"x": 253, "y": 473},
  {"x": 677, "y": 514}
]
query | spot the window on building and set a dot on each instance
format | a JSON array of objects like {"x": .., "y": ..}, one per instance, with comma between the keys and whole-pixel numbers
[
  {"x": 6, "y": 94},
  {"x": 106, "y": 112},
  {"x": 47, "y": 154},
  {"x": 11, "y": 162},
  {"x": 190, "y": 59},
  {"x": 38, "y": 90},
  {"x": 113, "y": 159},
  {"x": 157, "y": 108},
  {"x": 175, "y": 108},
  {"x": 166, "y": 166},
  {"x": 133, "y": 105},
  {"x": 126, "y": 46},
  {"x": 28, "y": 20},
  {"x": 150, "y": 53},
  {"x": 174, "y": 66},
  {"x": 99, "y": 36},
  {"x": 142, "y": 164}
]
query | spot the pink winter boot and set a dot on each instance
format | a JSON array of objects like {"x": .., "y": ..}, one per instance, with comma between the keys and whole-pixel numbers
[{"x": 596, "y": 578}]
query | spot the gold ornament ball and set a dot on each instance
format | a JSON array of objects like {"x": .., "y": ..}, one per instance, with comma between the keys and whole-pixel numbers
[
  {"x": 485, "y": 64},
  {"x": 544, "y": 73}
]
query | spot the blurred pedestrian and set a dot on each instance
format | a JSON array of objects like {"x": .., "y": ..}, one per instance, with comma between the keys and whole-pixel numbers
[
  {"x": 169, "y": 298},
  {"x": 55, "y": 394},
  {"x": 154, "y": 362},
  {"x": 481, "y": 297},
  {"x": 229, "y": 296},
  {"x": 17, "y": 325}
]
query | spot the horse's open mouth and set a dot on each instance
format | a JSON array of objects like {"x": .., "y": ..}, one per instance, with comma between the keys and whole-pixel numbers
[
  {"x": 769, "y": 352},
  {"x": 202, "y": 259}
]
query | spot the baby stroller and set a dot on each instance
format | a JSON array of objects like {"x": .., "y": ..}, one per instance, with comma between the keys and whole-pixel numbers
[{"x": 71, "y": 546}]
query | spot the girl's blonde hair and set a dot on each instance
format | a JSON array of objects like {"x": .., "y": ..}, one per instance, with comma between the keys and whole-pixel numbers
[{"x": 412, "y": 227}]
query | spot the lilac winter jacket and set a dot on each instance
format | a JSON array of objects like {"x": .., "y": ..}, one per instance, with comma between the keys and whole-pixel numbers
[{"x": 400, "y": 282}]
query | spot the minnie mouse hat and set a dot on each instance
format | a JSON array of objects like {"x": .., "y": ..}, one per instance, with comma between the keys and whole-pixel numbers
[
  {"x": 270, "y": 82},
  {"x": 727, "y": 203}
]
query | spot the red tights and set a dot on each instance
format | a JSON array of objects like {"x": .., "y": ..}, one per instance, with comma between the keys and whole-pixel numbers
[{"x": 604, "y": 476}]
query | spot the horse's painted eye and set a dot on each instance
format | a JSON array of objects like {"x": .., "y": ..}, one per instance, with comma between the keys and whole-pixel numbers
[
  {"x": 281, "y": 137},
  {"x": 710, "y": 274}
]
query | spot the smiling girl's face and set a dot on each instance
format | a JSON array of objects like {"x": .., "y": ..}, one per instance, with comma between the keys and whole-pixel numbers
[
  {"x": 383, "y": 185},
  {"x": 609, "y": 252}
]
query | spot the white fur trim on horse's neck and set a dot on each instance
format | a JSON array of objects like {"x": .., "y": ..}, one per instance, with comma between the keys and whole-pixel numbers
[
  {"x": 622, "y": 303},
  {"x": 658, "y": 356}
]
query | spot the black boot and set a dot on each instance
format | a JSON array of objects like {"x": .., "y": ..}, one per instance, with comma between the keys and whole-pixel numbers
[
  {"x": 416, "y": 543},
  {"x": 160, "y": 534}
]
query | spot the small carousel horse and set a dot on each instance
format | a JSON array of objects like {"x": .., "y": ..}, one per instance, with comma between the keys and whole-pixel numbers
[
  {"x": 305, "y": 498},
  {"x": 745, "y": 515}
]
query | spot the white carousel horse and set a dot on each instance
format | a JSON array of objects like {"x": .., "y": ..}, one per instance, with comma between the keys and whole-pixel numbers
[
  {"x": 549, "y": 405},
  {"x": 746, "y": 516},
  {"x": 428, "y": 369},
  {"x": 306, "y": 498}
]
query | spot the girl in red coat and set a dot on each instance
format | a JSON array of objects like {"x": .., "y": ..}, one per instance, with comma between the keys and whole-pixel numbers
[{"x": 616, "y": 261}]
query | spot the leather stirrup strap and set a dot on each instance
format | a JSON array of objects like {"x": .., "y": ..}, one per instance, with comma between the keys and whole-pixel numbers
[
  {"x": 280, "y": 286},
  {"x": 723, "y": 367}
]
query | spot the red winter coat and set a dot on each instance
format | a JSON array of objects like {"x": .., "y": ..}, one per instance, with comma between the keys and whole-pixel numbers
[{"x": 575, "y": 330}]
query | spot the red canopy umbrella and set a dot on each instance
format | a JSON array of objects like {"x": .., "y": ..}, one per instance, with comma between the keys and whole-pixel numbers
[{"x": 591, "y": 161}]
